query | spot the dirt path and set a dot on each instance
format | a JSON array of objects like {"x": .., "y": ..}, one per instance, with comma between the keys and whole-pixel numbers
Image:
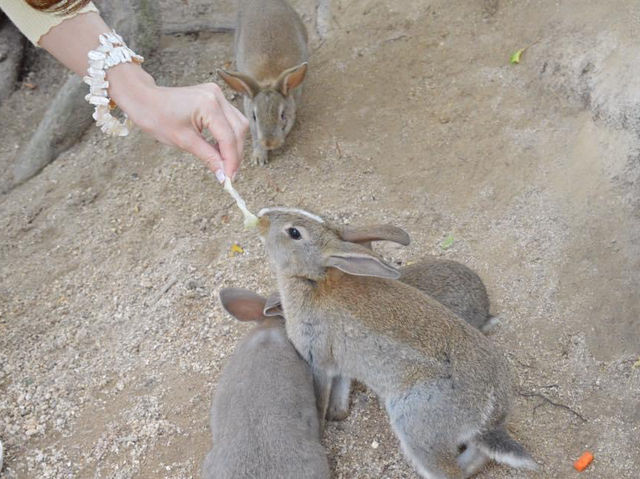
[{"x": 111, "y": 335}]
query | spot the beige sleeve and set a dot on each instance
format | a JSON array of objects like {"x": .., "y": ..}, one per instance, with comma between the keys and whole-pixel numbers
[{"x": 34, "y": 23}]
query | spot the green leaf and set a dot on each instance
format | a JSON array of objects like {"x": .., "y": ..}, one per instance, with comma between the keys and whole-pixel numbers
[
  {"x": 447, "y": 242},
  {"x": 515, "y": 58}
]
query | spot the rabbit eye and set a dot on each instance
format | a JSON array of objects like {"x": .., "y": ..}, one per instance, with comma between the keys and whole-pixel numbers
[{"x": 294, "y": 233}]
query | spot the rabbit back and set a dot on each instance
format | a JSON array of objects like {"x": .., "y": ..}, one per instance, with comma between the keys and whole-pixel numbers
[
  {"x": 390, "y": 336},
  {"x": 453, "y": 284},
  {"x": 270, "y": 38},
  {"x": 263, "y": 417}
]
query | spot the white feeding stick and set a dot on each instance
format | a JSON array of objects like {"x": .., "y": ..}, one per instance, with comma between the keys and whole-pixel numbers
[{"x": 250, "y": 220}]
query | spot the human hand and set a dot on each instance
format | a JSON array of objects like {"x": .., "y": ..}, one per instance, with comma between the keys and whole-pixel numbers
[
  {"x": 178, "y": 116},
  {"x": 175, "y": 116}
]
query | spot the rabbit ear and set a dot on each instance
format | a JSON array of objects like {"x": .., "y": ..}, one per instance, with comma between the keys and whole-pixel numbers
[
  {"x": 366, "y": 234},
  {"x": 243, "y": 304},
  {"x": 240, "y": 82},
  {"x": 273, "y": 306},
  {"x": 359, "y": 261},
  {"x": 291, "y": 78}
]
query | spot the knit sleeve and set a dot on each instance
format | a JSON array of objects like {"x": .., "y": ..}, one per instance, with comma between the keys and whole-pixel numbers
[{"x": 34, "y": 23}]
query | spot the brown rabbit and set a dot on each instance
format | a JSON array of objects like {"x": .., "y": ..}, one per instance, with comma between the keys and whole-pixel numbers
[
  {"x": 453, "y": 284},
  {"x": 445, "y": 386},
  {"x": 271, "y": 58}
]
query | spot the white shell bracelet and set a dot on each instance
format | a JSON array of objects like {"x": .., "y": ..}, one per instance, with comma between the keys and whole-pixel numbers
[{"x": 111, "y": 52}]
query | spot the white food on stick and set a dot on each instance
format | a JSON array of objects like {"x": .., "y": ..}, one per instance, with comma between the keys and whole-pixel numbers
[{"x": 250, "y": 220}]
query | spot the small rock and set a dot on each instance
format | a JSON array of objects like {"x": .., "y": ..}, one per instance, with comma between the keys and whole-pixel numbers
[{"x": 374, "y": 445}]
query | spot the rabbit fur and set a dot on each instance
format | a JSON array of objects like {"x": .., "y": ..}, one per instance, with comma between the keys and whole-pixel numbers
[
  {"x": 271, "y": 55},
  {"x": 263, "y": 416},
  {"x": 445, "y": 386},
  {"x": 451, "y": 283}
]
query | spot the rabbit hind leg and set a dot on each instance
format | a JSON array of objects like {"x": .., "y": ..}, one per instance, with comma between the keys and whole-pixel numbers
[
  {"x": 471, "y": 460},
  {"x": 422, "y": 420},
  {"x": 339, "y": 399},
  {"x": 430, "y": 463},
  {"x": 427, "y": 454}
]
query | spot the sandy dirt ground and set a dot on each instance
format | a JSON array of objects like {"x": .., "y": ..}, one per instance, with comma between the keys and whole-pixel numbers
[{"x": 111, "y": 334}]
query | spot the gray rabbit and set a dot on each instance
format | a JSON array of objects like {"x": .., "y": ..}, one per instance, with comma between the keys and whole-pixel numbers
[
  {"x": 446, "y": 388},
  {"x": 271, "y": 57},
  {"x": 453, "y": 284},
  {"x": 263, "y": 417}
]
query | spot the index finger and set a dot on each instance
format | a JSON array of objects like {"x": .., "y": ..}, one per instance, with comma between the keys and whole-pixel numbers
[
  {"x": 236, "y": 120},
  {"x": 239, "y": 124},
  {"x": 221, "y": 130},
  {"x": 215, "y": 120}
]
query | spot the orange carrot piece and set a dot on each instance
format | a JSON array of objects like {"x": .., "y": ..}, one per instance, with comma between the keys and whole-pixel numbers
[{"x": 583, "y": 461}]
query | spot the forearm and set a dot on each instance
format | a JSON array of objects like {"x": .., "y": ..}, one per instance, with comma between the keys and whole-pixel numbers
[
  {"x": 70, "y": 41},
  {"x": 36, "y": 23}
]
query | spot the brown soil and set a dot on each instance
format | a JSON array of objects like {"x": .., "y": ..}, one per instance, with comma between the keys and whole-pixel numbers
[{"x": 111, "y": 335}]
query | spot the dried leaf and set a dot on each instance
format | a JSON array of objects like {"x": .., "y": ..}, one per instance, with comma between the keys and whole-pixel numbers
[{"x": 236, "y": 249}]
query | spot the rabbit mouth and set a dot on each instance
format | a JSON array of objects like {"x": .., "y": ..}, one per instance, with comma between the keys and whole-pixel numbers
[
  {"x": 272, "y": 144},
  {"x": 263, "y": 227}
]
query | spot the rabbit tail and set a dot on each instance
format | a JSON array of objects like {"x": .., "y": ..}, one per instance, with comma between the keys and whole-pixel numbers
[
  {"x": 490, "y": 324},
  {"x": 502, "y": 448}
]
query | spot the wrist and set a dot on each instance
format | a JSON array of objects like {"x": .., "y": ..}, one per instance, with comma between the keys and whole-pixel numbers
[{"x": 130, "y": 87}]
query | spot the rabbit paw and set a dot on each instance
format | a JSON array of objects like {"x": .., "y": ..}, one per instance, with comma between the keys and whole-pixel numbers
[
  {"x": 337, "y": 414},
  {"x": 260, "y": 157}
]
